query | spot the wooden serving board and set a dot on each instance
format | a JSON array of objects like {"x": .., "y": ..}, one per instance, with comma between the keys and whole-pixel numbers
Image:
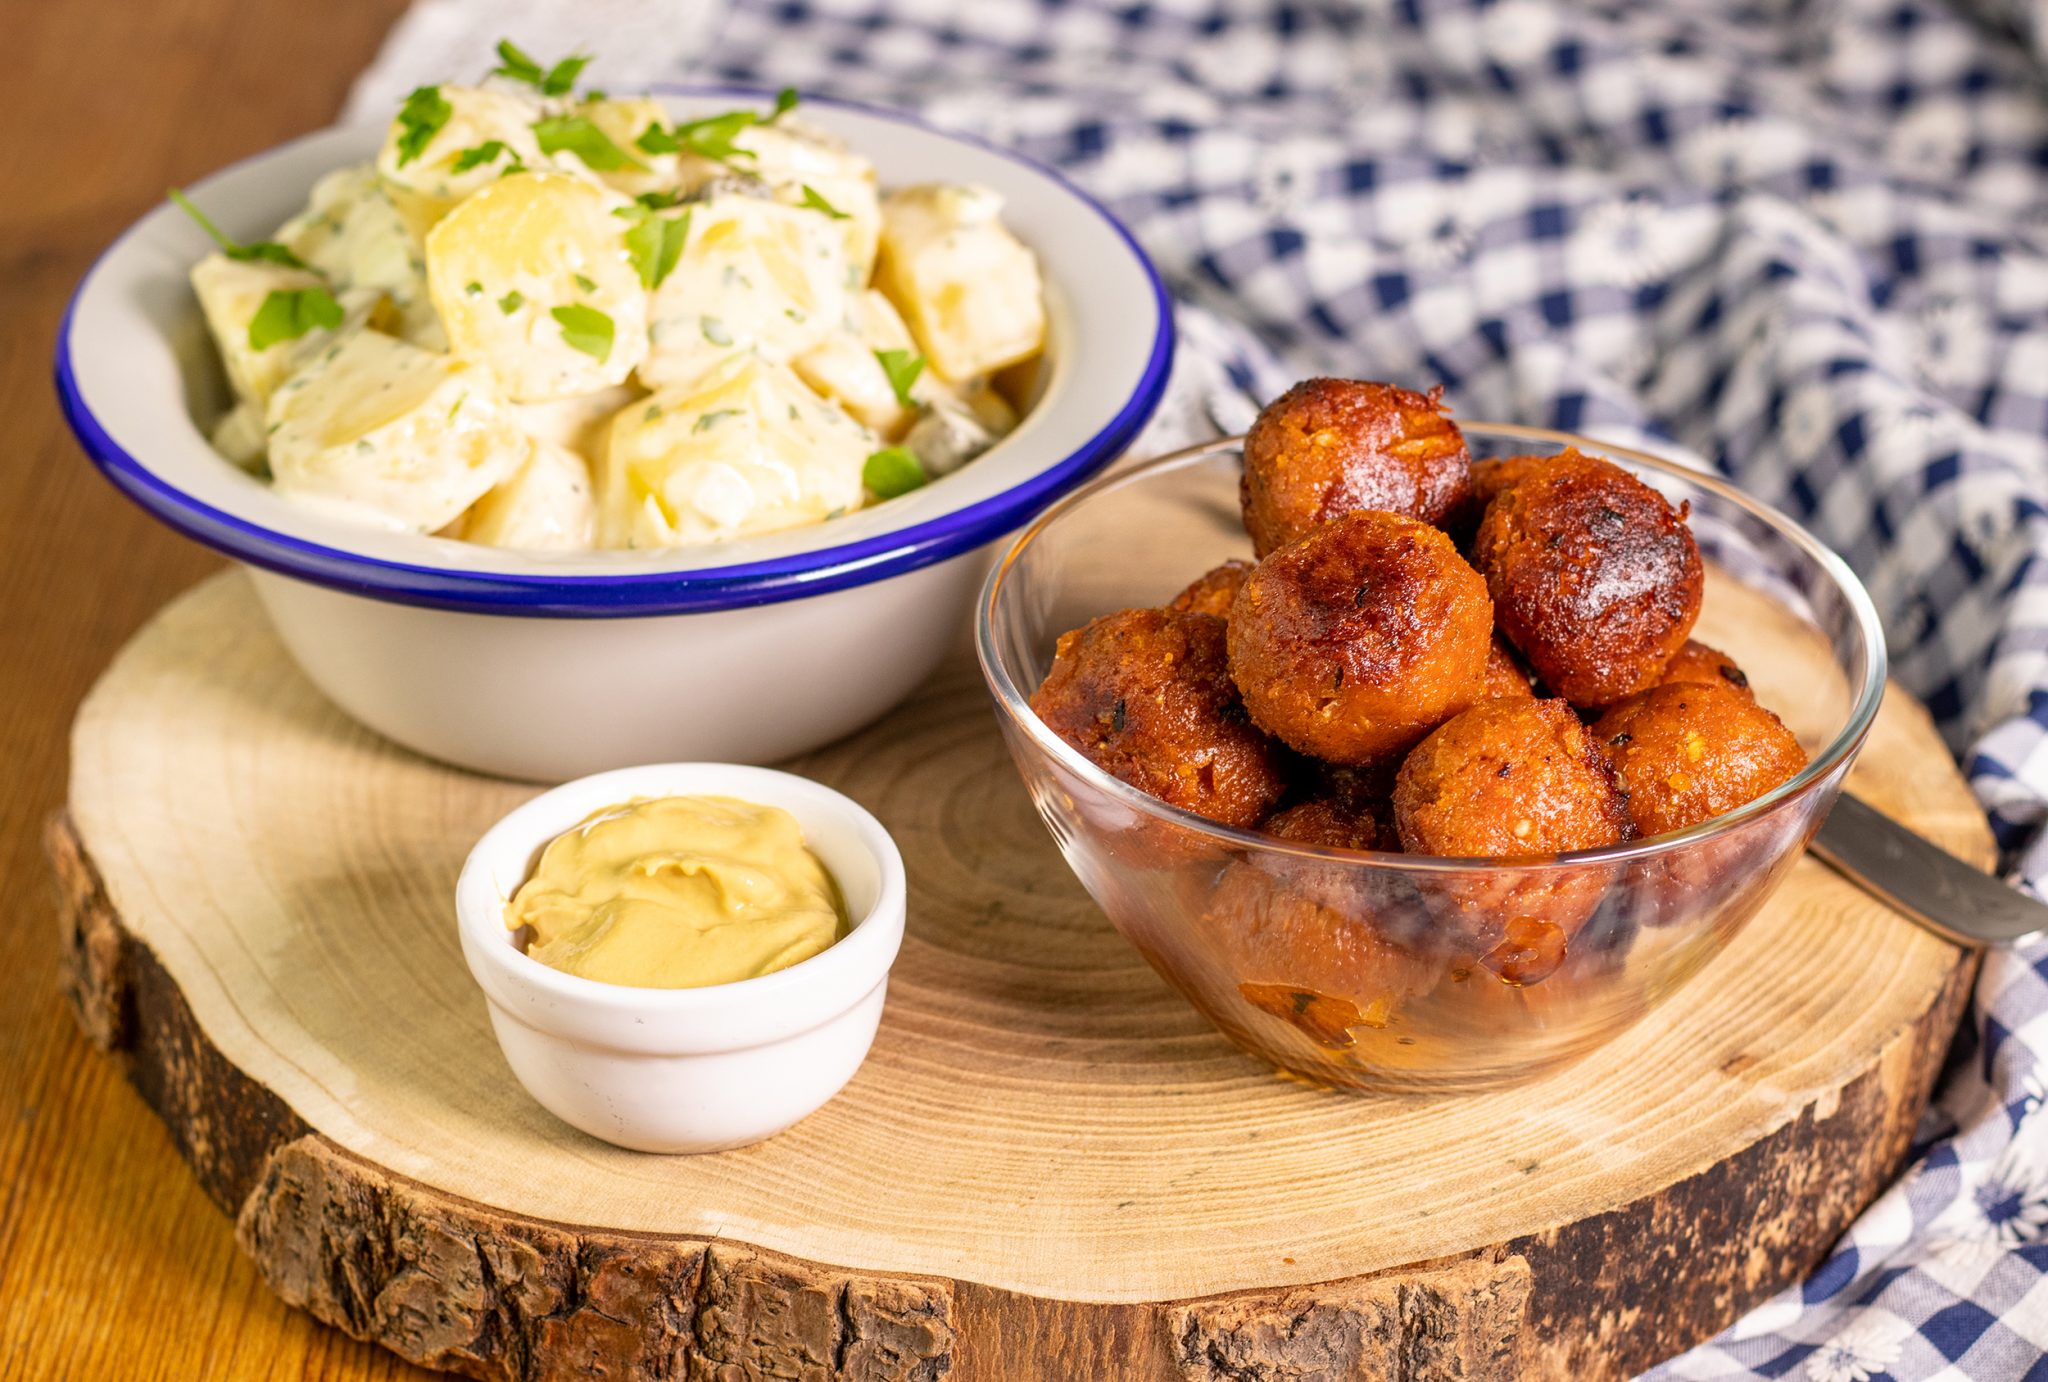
[{"x": 1048, "y": 1168}]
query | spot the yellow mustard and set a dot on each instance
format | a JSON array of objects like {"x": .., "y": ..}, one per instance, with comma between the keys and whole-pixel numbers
[{"x": 678, "y": 892}]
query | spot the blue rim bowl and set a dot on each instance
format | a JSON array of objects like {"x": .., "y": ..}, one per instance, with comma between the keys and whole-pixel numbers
[{"x": 127, "y": 344}]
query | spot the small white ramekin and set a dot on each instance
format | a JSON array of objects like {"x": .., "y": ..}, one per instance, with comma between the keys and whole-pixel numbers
[{"x": 687, "y": 1070}]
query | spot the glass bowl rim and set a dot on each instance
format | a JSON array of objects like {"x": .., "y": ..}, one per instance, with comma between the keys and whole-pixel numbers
[{"x": 1863, "y": 711}]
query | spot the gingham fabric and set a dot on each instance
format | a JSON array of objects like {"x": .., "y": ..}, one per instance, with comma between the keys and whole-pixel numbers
[{"x": 1802, "y": 241}]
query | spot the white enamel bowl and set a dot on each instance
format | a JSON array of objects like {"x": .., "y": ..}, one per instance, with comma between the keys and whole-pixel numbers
[
  {"x": 687, "y": 1070},
  {"x": 546, "y": 666}
]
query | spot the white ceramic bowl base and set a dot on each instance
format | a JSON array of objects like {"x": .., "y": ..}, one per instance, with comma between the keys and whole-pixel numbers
[
  {"x": 550, "y": 699},
  {"x": 687, "y": 1070},
  {"x": 689, "y": 1103}
]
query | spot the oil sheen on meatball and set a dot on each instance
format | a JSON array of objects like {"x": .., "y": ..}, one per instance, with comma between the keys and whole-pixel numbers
[
  {"x": 1689, "y": 751},
  {"x": 1146, "y": 695},
  {"x": 1329, "y": 446},
  {"x": 1355, "y": 641},
  {"x": 1595, "y": 578}
]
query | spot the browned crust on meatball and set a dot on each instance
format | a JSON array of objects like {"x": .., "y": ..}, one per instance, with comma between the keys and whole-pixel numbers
[
  {"x": 1146, "y": 695},
  {"x": 1213, "y": 590},
  {"x": 1595, "y": 578},
  {"x": 1698, "y": 661},
  {"x": 1329, "y": 446},
  {"x": 1689, "y": 751},
  {"x": 1508, "y": 778},
  {"x": 1355, "y": 641}
]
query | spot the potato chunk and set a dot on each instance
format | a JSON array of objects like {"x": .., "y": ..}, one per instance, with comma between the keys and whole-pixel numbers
[
  {"x": 969, "y": 289},
  {"x": 352, "y": 233},
  {"x": 790, "y": 156},
  {"x": 745, "y": 448},
  {"x": 546, "y": 506},
  {"x": 385, "y": 426},
  {"x": 844, "y": 367},
  {"x": 754, "y": 275},
  {"x": 230, "y": 293},
  {"x": 425, "y": 185},
  {"x": 532, "y": 278}
]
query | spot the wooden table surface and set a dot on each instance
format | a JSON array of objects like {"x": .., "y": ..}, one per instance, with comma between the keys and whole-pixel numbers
[{"x": 112, "y": 1264}]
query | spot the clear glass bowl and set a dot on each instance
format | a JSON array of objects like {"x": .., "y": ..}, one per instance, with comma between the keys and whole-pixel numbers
[{"x": 1400, "y": 972}]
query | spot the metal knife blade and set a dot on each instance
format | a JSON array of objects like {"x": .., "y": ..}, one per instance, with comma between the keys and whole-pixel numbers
[{"x": 1927, "y": 883}]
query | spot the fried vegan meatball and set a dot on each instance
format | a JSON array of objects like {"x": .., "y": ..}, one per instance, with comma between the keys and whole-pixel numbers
[
  {"x": 1311, "y": 943},
  {"x": 1698, "y": 662},
  {"x": 1505, "y": 674},
  {"x": 1337, "y": 822},
  {"x": 1507, "y": 778},
  {"x": 1355, "y": 641},
  {"x": 1689, "y": 751},
  {"x": 1146, "y": 695},
  {"x": 1329, "y": 446},
  {"x": 1595, "y": 578},
  {"x": 1213, "y": 590}
]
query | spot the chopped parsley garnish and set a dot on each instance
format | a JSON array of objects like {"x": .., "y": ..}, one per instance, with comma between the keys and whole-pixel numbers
[
  {"x": 473, "y": 288},
  {"x": 483, "y": 153},
  {"x": 552, "y": 81},
  {"x": 660, "y": 201},
  {"x": 902, "y": 368},
  {"x": 288, "y": 315},
  {"x": 419, "y": 120},
  {"x": 654, "y": 243},
  {"x": 267, "y": 251},
  {"x": 713, "y": 136},
  {"x": 892, "y": 471},
  {"x": 586, "y": 283},
  {"x": 713, "y": 418},
  {"x": 511, "y": 302},
  {"x": 585, "y": 329},
  {"x": 579, "y": 135},
  {"x": 714, "y": 331},
  {"x": 816, "y": 202}
]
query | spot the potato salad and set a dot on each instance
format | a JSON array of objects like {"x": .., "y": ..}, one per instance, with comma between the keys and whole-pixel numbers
[{"x": 558, "y": 320}]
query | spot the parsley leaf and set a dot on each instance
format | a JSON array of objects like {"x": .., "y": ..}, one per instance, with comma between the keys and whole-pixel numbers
[
  {"x": 902, "y": 369},
  {"x": 586, "y": 283},
  {"x": 893, "y": 471},
  {"x": 713, "y": 136},
  {"x": 511, "y": 302},
  {"x": 578, "y": 135},
  {"x": 816, "y": 201},
  {"x": 654, "y": 243},
  {"x": 286, "y": 316},
  {"x": 420, "y": 119},
  {"x": 585, "y": 329},
  {"x": 554, "y": 81},
  {"x": 483, "y": 153},
  {"x": 268, "y": 251}
]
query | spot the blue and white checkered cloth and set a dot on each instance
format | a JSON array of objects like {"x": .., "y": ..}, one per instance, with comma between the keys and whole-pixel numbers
[{"x": 1803, "y": 241}]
